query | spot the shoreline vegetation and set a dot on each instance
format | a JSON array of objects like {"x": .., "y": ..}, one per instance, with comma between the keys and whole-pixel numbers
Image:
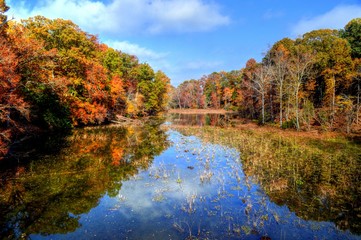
[{"x": 244, "y": 124}]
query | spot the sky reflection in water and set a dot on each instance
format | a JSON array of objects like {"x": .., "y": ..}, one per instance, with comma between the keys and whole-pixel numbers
[{"x": 195, "y": 189}]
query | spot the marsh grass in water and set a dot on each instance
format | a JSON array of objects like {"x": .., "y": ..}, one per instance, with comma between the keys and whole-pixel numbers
[{"x": 318, "y": 179}]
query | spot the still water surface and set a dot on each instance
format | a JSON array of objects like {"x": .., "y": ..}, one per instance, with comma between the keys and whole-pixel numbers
[{"x": 158, "y": 181}]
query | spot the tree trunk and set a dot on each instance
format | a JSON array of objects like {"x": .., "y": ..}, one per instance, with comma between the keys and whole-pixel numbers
[
  {"x": 263, "y": 107},
  {"x": 271, "y": 106},
  {"x": 333, "y": 103},
  {"x": 288, "y": 108},
  {"x": 358, "y": 102},
  {"x": 297, "y": 110},
  {"x": 281, "y": 103}
]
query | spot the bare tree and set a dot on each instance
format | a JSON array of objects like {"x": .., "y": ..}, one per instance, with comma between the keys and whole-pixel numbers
[
  {"x": 300, "y": 67},
  {"x": 261, "y": 82},
  {"x": 279, "y": 58}
]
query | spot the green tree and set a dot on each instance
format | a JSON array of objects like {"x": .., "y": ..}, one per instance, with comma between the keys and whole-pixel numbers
[
  {"x": 352, "y": 32},
  {"x": 145, "y": 77},
  {"x": 333, "y": 65},
  {"x": 162, "y": 90}
]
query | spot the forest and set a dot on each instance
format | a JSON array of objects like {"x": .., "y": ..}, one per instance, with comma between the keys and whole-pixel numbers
[
  {"x": 55, "y": 76},
  {"x": 314, "y": 80}
]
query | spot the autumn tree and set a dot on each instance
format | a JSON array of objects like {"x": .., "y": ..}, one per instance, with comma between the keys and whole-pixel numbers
[
  {"x": 161, "y": 90},
  {"x": 3, "y": 18},
  {"x": 337, "y": 72},
  {"x": 300, "y": 69},
  {"x": 231, "y": 84},
  {"x": 352, "y": 33},
  {"x": 260, "y": 81},
  {"x": 279, "y": 57},
  {"x": 12, "y": 104},
  {"x": 77, "y": 63},
  {"x": 357, "y": 82},
  {"x": 189, "y": 94},
  {"x": 332, "y": 66},
  {"x": 213, "y": 90},
  {"x": 249, "y": 94}
]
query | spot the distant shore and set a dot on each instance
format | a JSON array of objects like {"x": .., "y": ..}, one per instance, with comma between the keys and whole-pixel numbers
[
  {"x": 247, "y": 124},
  {"x": 199, "y": 111}
]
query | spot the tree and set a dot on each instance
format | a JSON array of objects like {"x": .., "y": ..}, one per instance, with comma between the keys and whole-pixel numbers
[
  {"x": 3, "y": 18},
  {"x": 357, "y": 80},
  {"x": 76, "y": 61},
  {"x": 12, "y": 104},
  {"x": 300, "y": 68},
  {"x": 352, "y": 33},
  {"x": 320, "y": 41},
  {"x": 279, "y": 55},
  {"x": 332, "y": 65},
  {"x": 337, "y": 72},
  {"x": 213, "y": 90},
  {"x": 249, "y": 94},
  {"x": 162, "y": 87},
  {"x": 260, "y": 78},
  {"x": 189, "y": 94},
  {"x": 13, "y": 108}
]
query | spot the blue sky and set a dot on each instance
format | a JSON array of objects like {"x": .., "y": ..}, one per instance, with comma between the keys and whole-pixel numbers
[{"x": 187, "y": 39}]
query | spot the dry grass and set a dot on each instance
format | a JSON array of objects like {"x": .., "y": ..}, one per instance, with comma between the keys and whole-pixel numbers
[{"x": 287, "y": 133}]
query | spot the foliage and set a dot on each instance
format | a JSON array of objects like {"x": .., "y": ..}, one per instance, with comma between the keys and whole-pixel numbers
[
  {"x": 56, "y": 76},
  {"x": 352, "y": 32}
]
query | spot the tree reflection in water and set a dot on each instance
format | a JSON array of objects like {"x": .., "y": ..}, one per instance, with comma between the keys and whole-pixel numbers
[{"x": 47, "y": 195}]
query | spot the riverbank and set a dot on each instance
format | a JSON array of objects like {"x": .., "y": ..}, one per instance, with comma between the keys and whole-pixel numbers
[
  {"x": 316, "y": 132},
  {"x": 199, "y": 111}
]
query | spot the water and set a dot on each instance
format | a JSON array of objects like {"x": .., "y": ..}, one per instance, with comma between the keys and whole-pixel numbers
[{"x": 150, "y": 182}]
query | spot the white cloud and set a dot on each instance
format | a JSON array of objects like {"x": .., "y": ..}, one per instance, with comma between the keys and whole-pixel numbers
[
  {"x": 134, "y": 49},
  {"x": 337, "y": 18},
  {"x": 129, "y": 16}
]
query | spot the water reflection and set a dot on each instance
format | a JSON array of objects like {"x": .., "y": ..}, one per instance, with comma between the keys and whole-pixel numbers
[
  {"x": 202, "y": 119},
  {"x": 48, "y": 195},
  {"x": 181, "y": 182}
]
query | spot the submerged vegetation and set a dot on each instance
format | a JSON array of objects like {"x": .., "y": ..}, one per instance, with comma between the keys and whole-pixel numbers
[{"x": 317, "y": 178}]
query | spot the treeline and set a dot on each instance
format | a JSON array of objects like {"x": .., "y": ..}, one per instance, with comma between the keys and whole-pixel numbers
[
  {"x": 312, "y": 80},
  {"x": 56, "y": 76}
]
